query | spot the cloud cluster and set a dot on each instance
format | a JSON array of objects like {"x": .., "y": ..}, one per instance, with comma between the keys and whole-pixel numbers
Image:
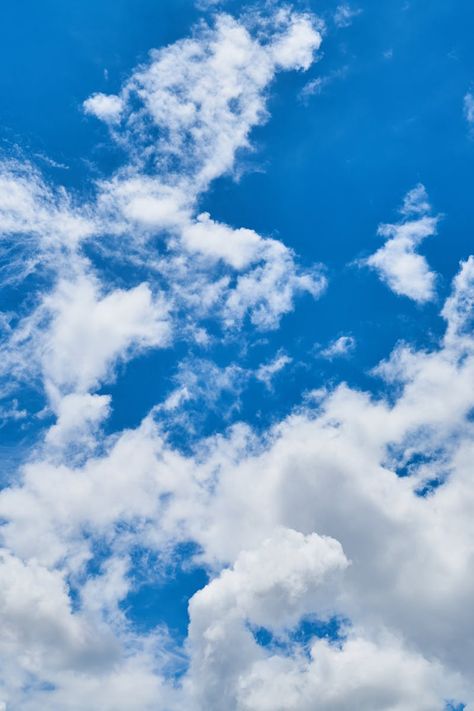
[
  {"x": 348, "y": 503},
  {"x": 354, "y": 508}
]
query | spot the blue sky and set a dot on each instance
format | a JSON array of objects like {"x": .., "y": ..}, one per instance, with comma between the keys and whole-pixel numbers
[{"x": 237, "y": 355}]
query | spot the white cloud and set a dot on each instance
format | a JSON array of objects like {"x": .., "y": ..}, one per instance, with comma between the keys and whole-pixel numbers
[
  {"x": 327, "y": 472},
  {"x": 77, "y": 334},
  {"x": 185, "y": 115},
  {"x": 398, "y": 264},
  {"x": 78, "y": 415},
  {"x": 267, "y": 371},
  {"x": 360, "y": 675},
  {"x": 308, "y": 519},
  {"x": 32, "y": 210},
  {"x": 318, "y": 85},
  {"x": 345, "y": 14},
  {"x": 192, "y": 106},
  {"x": 239, "y": 248},
  {"x": 341, "y": 346},
  {"x": 105, "y": 107}
]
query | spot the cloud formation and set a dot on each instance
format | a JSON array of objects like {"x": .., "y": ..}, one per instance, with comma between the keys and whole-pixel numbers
[
  {"x": 324, "y": 518},
  {"x": 398, "y": 264}
]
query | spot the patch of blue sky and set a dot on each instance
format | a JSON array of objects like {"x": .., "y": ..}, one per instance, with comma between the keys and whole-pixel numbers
[
  {"x": 161, "y": 590},
  {"x": 299, "y": 639}
]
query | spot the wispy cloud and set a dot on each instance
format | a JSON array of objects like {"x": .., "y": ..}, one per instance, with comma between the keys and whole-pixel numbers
[
  {"x": 340, "y": 347},
  {"x": 345, "y": 14},
  {"x": 469, "y": 108}
]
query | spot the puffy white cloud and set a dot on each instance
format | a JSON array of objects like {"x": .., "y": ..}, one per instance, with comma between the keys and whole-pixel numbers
[
  {"x": 105, "y": 107},
  {"x": 239, "y": 248},
  {"x": 184, "y": 116},
  {"x": 274, "y": 585},
  {"x": 192, "y": 106},
  {"x": 312, "y": 518},
  {"x": 267, "y": 292},
  {"x": 405, "y": 271},
  {"x": 78, "y": 415},
  {"x": 295, "y": 46},
  {"x": 459, "y": 308},
  {"x": 328, "y": 472},
  {"x": 76, "y": 334},
  {"x": 361, "y": 674}
]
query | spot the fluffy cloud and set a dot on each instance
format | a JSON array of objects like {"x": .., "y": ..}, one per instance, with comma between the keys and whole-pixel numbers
[
  {"x": 332, "y": 473},
  {"x": 399, "y": 265},
  {"x": 190, "y": 109},
  {"x": 353, "y": 507}
]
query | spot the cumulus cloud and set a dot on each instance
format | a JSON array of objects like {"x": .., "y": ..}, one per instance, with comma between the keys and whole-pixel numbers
[
  {"x": 398, "y": 263},
  {"x": 353, "y": 508},
  {"x": 328, "y": 473},
  {"x": 105, "y": 107}
]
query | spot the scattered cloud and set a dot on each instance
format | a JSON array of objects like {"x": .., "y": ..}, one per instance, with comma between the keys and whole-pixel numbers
[
  {"x": 469, "y": 108},
  {"x": 267, "y": 371},
  {"x": 398, "y": 264},
  {"x": 329, "y": 514},
  {"x": 338, "y": 348},
  {"x": 316, "y": 86},
  {"x": 345, "y": 14}
]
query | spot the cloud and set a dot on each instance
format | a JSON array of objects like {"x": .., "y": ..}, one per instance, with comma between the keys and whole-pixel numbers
[
  {"x": 353, "y": 507},
  {"x": 188, "y": 111},
  {"x": 341, "y": 346},
  {"x": 315, "y": 87},
  {"x": 469, "y": 107},
  {"x": 398, "y": 264},
  {"x": 325, "y": 490},
  {"x": 267, "y": 371},
  {"x": 76, "y": 335},
  {"x": 345, "y": 14},
  {"x": 106, "y": 107},
  {"x": 38, "y": 224}
]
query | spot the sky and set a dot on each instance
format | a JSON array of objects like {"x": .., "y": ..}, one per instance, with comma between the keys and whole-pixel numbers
[{"x": 237, "y": 355}]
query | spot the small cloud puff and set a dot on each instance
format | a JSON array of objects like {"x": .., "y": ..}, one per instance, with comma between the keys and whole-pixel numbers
[
  {"x": 397, "y": 263},
  {"x": 338, "y": 348},
  {"x": 105, "y": 107}
]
